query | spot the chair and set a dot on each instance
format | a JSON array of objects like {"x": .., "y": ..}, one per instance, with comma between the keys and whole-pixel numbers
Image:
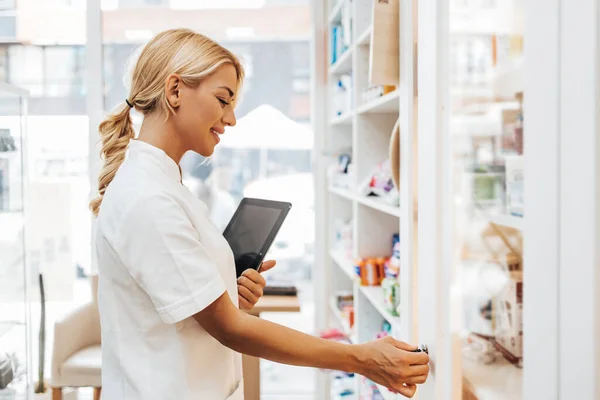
[{"x": 76, "y": 354}]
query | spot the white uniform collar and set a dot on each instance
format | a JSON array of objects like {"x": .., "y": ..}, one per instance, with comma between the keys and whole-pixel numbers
[{"x": 140, "y": 149}]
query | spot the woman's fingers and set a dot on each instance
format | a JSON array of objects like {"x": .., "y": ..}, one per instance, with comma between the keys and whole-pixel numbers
[
  {"x": 247, "y": 295},
  {"x": 253, "y": 276},
  {"x": 267, "y": 265},
  {"x": 407, "y": 390},
  {"x": 254, "y": 287},
  {"x": 245, "y": 304}
]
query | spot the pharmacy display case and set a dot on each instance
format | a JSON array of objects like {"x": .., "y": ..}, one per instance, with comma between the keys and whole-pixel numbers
[
  {"x": 495, "y": 224},
  {"x": 508, "y": 150},
  {"x": 15, "y": 282},
  {"x": 363, "y": 96}
]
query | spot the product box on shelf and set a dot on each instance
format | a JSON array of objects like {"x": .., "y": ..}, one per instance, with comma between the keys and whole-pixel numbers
[
  {"x": 508, "y": 313},
  {"x": 344, "y": 237},
  {"x": 370, "y": 270},
  {"x": 373, "y": 92},
  {"x": 380, "y": 183},
  {"x": 340, "y": 174},
  {"x": 384, "y": 60},
  {"x": 336, "y": 44},
  {"x": 369, "y": 390},
  {"x": 343, "y": 386},
  {"x": 514, "y": 185},
  {"x": 391, "y": 295},
  {"x": 342, "y": 95},
  {"x": 509, "y": 122},
  {"x": 344, "y": 302}
]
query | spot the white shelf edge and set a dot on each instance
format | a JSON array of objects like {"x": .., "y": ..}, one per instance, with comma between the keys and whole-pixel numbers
[
  {"x": 386, "y": 394},
  {"x": 370, "y": 202},
  {"x": 365, "y": 37},
  {"x": 510, "y": 221},
  {"x": 375, "y": 296},
  {"x": 336, "y": 10},
  {"x": 344, "y": 119},
  {"x": 344, "y": 193},
  {"x": 343, "y": 263},
  {"x": 379, "y": 206},
  {"x": 337, "y": 68},
  {"x": 374, "y": 106}
]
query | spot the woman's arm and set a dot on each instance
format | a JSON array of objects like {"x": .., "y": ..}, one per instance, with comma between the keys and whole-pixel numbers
[{"x": 386, "y": 361}]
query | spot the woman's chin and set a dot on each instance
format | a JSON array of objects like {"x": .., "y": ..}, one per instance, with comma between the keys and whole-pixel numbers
[{"x": 206, "y": 151}]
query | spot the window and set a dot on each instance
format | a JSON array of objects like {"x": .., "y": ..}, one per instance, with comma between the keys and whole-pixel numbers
[
  {"x": 25, "y": 66},
  {"x": 63, "y": 71}
]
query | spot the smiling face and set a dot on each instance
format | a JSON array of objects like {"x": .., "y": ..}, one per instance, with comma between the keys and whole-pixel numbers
[{"x": 202, "y": 112}]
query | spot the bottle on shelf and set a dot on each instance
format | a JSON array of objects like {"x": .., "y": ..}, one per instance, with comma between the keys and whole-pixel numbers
[{"x": 519, "y": 125}]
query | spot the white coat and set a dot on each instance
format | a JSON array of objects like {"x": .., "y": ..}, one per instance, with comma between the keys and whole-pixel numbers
[{"x": 160, "y": 261}]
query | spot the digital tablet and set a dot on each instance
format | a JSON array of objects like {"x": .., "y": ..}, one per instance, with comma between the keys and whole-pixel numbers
[{"x": 252, "y": 230}]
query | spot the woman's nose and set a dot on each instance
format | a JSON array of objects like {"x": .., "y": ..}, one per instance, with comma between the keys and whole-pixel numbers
[{"x": 229, "y": 118}]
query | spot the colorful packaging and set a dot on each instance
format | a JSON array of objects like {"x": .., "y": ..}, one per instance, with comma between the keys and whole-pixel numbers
[
  {"x": 391, "y": 295},
  {"x": 370, "y": 275},
  {"x": 514, "y": 185},
  {"x": 372, "y": 272},
  {"x": 508, "y": 313},
  {"x": 359, "y": 265}
]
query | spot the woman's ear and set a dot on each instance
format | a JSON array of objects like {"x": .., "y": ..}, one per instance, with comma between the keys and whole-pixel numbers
[{"x": 172, "y": 85}]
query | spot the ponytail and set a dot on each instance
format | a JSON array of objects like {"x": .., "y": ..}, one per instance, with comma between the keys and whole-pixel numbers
[{"x": 115, "y": 132}]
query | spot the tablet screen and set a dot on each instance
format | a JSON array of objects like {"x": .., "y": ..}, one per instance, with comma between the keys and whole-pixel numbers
[{"x": 251, "y": 231}]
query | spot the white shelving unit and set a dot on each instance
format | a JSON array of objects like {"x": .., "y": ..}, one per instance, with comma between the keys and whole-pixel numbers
[
  {"x": 372, "y": 202},
  {"x": 463, "y": 117},
  {"x": 344, "y": 64},
  {"x": 387, "y": 395},
  {"x": 343, "y": 263},
  {"x": 385, "y": 104},
  {"x": 364, "y": 130}
]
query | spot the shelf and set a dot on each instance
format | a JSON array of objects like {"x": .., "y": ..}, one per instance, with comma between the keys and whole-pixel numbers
[
  {"x": 344, "y": 119},
  {"x": 343, "y": 64},
  {"x": 378, "y": 205},
  {"x": 386, "y": 394},
  {"x": 343, "y": 263},
  {"x": 335, "y": 14},
  {"x": 500, "y": 380},
  {"x": 365, "y": 38},
  {"x": 368, "y": 201},
  {"x": 375, "y": 296},
  {"x": 508, "y": 220},
  {"x": 343, "y": 193},
  {"x": 388, "y": 103},
  {"x": 342, "y": 322}
]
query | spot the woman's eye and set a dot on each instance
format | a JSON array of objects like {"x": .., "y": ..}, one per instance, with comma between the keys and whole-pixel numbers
[{"x": 223, "y": 102}]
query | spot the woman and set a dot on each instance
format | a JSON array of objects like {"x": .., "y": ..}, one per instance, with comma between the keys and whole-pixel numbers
[{"x": 172, "y": 327}]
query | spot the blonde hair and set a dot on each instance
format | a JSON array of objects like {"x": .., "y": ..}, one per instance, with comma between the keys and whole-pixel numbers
[{"x": 180, "y": 51}]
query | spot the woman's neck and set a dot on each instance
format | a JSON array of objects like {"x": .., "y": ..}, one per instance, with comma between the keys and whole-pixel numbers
[{"x": 161, "y": 134}]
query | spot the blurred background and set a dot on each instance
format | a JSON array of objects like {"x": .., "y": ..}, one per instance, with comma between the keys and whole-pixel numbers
[{"x": 43, "y": 49}]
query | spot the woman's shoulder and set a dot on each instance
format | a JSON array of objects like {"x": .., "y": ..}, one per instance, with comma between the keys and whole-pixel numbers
[{"x": 127, "y": 194}]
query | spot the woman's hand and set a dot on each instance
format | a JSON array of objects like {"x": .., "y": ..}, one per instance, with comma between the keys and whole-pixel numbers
[
  {"x": 251, "y": 284},
  {"x": 392, "y": 363}
]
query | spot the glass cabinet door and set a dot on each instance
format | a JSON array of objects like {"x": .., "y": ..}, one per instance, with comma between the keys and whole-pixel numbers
[
  {"x": 15, "y": 372},
  {"x": 485, "y": 118}
]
